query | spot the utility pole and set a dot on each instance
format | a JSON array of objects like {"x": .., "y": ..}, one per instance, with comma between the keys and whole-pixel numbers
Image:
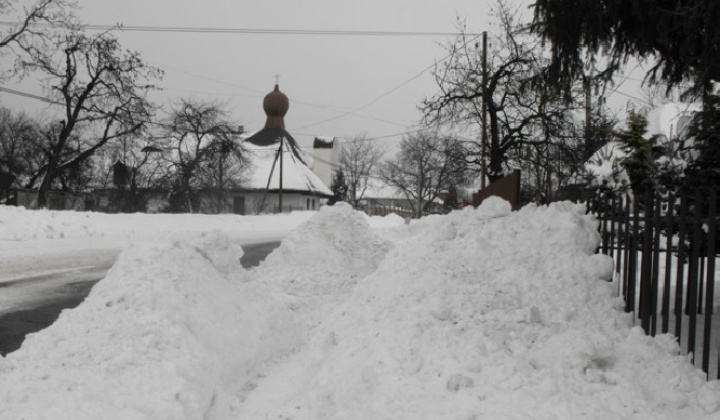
[
  {"x": 588, "y": 114},
  {"x": 282, "y": 152},
  {"x": 221, "y": 192},
  {"x": 483, "y": 147}
]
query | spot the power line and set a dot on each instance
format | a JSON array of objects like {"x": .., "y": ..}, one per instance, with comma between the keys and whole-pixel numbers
[
  {"x": 342, "y": 114},
  {"x": 160, "y": 124},
  {"x": 28, "y": 95},
  {"x": 373, "y": 101},
  {"x": 254, "y": 31},
  {"x": 258, "y": 93}
]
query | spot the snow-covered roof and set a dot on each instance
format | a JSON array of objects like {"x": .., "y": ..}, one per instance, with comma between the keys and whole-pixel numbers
[
  {"x": 604, "y": 166},
  {"x": 296, "y": 176},
  {"x": 380, "y": 190},
  {"x": 671, "y": 120},
  {"x": 263, "y": 147}
]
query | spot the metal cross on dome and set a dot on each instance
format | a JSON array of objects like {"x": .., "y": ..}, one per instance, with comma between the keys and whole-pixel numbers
[{"x": 277, "y": 79}]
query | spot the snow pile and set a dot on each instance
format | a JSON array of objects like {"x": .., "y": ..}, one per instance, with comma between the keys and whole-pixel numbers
[
  {"x": 485, "y": 314},
  {"x": 177, "y": 322},
  {"x": 152, "y": 340},
  {"x": 605, "y": 169},
  {"x": 478, "y": 314},
  {"x": 330, "y": 252},
  {"x": 18, "y": 224}
]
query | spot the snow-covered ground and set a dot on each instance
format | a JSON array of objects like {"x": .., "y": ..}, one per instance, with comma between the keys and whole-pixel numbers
[{"x": 480, "y": 314}]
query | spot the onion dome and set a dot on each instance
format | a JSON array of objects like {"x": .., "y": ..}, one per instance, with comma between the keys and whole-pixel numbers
[{"x": 276, "y": 105}]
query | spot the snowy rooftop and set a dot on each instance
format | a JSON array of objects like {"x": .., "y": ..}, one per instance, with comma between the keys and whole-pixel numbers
[
  {"x": 672, "y": 119},
  {"x": 296, "y": 175},
  {"x": 379, "y": 190}
]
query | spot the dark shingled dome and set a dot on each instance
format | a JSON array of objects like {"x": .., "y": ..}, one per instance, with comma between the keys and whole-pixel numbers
[{"x": 276, "y": 105}]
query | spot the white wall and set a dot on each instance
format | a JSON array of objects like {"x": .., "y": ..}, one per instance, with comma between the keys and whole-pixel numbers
[
  {"x": 291, "y": 202},
  {"x": 326, "y": 162}
]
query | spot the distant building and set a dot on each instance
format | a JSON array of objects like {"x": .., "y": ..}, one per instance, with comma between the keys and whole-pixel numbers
[
  {"x": 671, "y": 120},
  {"x": 326, "y": 158},
  {"x": 380, "y": 200},
  {"x": 279, "y": 179}
]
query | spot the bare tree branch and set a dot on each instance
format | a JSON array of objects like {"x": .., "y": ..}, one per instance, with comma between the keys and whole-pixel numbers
[
  {"x": 101, "y": 90},
  {"x": 359, "y": 158}
]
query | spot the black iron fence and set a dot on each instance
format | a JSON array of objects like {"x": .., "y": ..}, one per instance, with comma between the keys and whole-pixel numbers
[{"x": 664, "y": 247}]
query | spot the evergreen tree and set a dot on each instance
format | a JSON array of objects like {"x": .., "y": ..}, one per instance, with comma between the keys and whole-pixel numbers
[
  {"x": 705, "y": 131},
  {"x": 339, "y": 188},
  {"x": 451, "y": 201},
  {"x": 681, "y": 35},
  {"x": 641, "y": 152}
]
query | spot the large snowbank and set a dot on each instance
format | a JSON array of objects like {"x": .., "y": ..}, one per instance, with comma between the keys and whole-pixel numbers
[
  {"x": 19, "y": 225},
  {"x": 479, "y": 314}
]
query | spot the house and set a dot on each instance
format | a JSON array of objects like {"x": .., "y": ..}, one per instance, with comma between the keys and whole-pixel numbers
[
  {"x": 279, "y": 179},
  {"x": 380, "y": 200},
  {"x": 670, "y": 123},
  {"x": 326, "y": 158},
  {"x": 671, "y": 120}
]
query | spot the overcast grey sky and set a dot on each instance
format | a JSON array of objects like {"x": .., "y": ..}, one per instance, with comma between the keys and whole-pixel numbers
[{"x": 338, "y": 85}]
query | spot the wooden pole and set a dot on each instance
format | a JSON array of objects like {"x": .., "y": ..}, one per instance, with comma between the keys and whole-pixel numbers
[
  {"x": 483, "y": 151},
  {"x": 282, "y": 152}
]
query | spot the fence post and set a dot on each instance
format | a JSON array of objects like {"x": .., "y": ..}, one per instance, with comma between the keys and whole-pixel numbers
[
  {"x": 646, "y": 263},
  {"x": 680, "y": 277},
  {"x": 602, "y": 210},
  {"x": 655, "y": 276},
  {"x": 669, "y": 233},
  {"x": 632, "y": 264},
  {"x": 628, "y": 244},
  {"x": 710, "y": 289},
  {"x": 693, "y": 277},
  {"x": 613, "y": 221}
]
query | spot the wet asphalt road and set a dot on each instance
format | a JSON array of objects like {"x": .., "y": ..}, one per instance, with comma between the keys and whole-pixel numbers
[{"x": 14, "y": 326}]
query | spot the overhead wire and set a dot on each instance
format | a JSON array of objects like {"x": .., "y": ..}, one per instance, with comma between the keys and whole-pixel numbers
[
  {"x": 161, "y": 124},
  {"x": 239, "y": 30},
  {"x": 28, "y": 95},
  {"x": 394, "y": 89},
  {"x": 258, "y": 93},
  {"x": 181, "y": 29}
]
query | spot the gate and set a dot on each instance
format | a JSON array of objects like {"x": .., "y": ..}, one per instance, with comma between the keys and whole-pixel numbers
[{"x": 664, "y": 247}]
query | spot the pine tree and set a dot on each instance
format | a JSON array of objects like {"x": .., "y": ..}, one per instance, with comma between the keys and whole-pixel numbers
[
  {"x": 339, "y": 189},
  {"x": 451, "y": 201},
  {"x": 641, "y": 153},
  {"x": 705, "y": 131},
  {"x": 680, "y": 35}
]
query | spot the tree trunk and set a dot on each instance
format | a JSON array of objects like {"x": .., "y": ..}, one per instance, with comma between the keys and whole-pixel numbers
[
  {"x": 496, "y": 155},
  {"x": 421, "y": 181},
  {"x": 46, "y": 184}
]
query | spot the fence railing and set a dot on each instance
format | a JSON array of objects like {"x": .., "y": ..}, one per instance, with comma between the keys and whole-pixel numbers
[{"x": 664, "y": 247}]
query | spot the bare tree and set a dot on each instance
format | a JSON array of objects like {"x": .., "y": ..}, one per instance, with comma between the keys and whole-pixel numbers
[
  {"x": 522, "y": 110},
  {"x": 204, "y": 151},
  {"x": 102, "y": 90},
  {"x": 142, "y": 168},
  {"x": 35, "y": 25},
  {"x": 426, "y": 165},
  {"x": 18, "y": 145},
  {"x": 359, "y": 158}
]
